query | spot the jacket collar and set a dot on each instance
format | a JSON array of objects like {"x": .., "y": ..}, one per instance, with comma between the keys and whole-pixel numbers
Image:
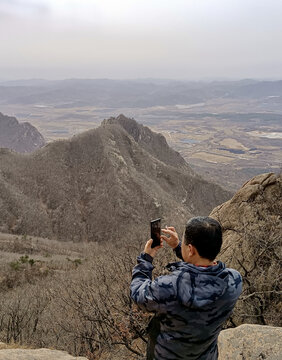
[{"x": 182, "y": 265}]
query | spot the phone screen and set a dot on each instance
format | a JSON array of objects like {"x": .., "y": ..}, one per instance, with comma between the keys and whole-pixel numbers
[{"x": 156, "y": 232}]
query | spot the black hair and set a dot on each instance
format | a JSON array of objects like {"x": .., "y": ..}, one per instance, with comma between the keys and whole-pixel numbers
[{"x": 205, "y": 234}]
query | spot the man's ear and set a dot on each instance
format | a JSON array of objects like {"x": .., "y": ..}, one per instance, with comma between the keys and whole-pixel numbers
[{"x": 191, "y": 250}]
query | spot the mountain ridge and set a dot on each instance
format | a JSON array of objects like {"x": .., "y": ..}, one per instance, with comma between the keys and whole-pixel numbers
[
  {"x": 100, "y": 184},
  {"x": 143, "y": 136}
]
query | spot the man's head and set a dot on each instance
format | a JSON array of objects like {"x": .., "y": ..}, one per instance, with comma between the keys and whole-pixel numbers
[{"x": 205, "y": 235}]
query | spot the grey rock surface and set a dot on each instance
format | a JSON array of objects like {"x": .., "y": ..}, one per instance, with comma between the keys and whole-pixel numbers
[
  {"x": 36, "y": 354},
  {"x": 252, "y": 227},
  {"x": 250, "y": 342}
]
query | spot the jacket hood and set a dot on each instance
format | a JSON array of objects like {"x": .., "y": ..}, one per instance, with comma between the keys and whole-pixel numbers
[{"x": 198, "y": 287}]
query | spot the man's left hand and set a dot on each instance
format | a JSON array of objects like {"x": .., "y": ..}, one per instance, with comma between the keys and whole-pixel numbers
[{"x": 152, "y": 251}]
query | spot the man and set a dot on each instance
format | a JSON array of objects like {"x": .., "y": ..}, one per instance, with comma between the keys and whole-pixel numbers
[{"x": 197, "y": 297}]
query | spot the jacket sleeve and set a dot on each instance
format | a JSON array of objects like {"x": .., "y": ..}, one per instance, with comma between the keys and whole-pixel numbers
[
  {"x": 177, "y": 251},
  {"x": 152, "y": 296}
]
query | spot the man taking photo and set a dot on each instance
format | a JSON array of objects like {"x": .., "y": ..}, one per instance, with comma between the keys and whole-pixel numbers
[{"x": 194, "y": 300}]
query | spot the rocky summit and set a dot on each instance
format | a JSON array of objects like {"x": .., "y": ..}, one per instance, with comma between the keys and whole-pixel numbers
[
  {"x": 105, "y": 184},
  {"x": 20, "y": 137},
  {"x": 252, "y": 228}
]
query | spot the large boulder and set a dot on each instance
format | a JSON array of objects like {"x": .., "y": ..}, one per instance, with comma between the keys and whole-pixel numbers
[
  {"x": 36, "y": 354},
  {"x": 252, "y": 229},
  {"x": 250, "y": 342}
]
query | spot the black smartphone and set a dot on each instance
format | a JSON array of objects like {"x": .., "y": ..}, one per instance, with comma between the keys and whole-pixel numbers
[{"x": 156, "y": 232}]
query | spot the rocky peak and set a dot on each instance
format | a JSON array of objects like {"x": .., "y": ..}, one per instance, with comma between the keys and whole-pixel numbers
[
  {"x": 20, "y": 137},
  {"x": 154, "y": 143},
  {"x": 139, "y": 132}
]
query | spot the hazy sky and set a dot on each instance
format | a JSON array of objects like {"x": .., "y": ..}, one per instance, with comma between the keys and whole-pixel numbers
[{"x": 181, "y": 39}]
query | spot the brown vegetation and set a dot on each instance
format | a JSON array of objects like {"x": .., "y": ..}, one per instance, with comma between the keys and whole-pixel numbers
[
  {"x": 82, "y": 307},
  {"x": 75, "y": 296}
]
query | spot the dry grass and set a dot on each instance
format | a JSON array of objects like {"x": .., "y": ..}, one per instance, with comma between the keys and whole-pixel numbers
[
  {"x": 21, "y": 244},
  {"x": 4, "y": 346},
  {"x": 213, "y": 158},
  {"x": 66, "y": 308},
  {"x": 31, "y": 260}
]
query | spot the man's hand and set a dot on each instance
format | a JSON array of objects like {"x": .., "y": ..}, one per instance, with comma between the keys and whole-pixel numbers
[
  {"x": 152, "y": 251},
  {"x": 172, "y": 240}
]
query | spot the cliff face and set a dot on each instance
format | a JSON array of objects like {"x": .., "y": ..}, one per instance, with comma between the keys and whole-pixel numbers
[
  {"x": 252, "y": 228},
  {"x": 105, "y": 184},
  {"x": 20, "y": 137}
]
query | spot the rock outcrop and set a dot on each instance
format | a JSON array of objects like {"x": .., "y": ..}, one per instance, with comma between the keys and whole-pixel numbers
[
  {"x": 20, "y": 137},
  {"x": 252, "y": 226},
  {"x": 250, "y": 342},
  {"x": 36, "y": 354}
]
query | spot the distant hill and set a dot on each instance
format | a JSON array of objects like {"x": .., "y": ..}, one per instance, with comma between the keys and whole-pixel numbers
[
  {"x": 131, "y": 93},
  {"x": 259, "y": 89},
  {"x": 20, "y": 137},
  {"x": 105, "y": 184}
]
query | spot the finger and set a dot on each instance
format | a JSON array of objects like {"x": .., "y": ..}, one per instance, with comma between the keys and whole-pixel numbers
[
  {"x": 171, "y": 228},
  {"x": 166, "y": 239},
  {"x": 149, "y": 242},
  {"x": 170, "y": 232}
]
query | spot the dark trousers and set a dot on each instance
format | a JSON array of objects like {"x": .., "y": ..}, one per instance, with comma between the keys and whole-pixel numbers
[{"x": 153, "y": 331}]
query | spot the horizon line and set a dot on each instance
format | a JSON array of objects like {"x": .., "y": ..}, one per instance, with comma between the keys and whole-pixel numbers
[{"x": 211, "y": 79}]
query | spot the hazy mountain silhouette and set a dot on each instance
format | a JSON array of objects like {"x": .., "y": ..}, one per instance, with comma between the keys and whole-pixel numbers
[
  {"x": 104, "y": 184},
  {"x": 130, "y": 93},
  {"x": 20, "y": 137}
]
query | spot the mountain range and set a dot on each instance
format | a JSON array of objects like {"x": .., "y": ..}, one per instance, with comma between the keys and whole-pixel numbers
[
  {"x": 131, "y": 93},
  {"x": 105, "y": 184}
]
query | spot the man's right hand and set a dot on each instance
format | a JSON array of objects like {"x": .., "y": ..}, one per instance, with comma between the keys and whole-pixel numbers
[{"x": 172, "y": 240}]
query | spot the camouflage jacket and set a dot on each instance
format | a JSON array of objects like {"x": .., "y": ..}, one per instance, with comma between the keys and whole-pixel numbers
[{"x": 192, "y": 302}]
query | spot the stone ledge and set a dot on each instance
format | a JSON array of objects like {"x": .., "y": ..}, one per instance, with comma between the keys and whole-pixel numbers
[
  {"x": 36, "y": 354},
  {"x": 250, "y": 342}
]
